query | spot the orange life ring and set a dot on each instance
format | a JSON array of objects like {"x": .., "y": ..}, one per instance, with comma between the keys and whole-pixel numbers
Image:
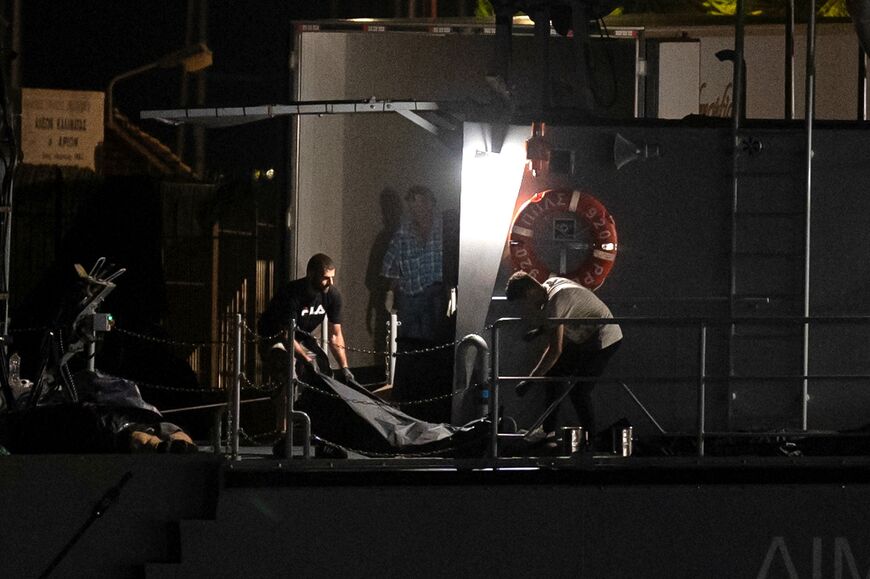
[{"x": 569, "y": 227}]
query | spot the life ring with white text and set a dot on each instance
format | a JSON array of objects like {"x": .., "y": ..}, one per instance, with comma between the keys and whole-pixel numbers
[{"x": 564, "y": 232}]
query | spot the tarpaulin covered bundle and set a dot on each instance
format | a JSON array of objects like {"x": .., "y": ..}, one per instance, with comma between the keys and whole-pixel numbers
[
  {"x": 349, "y": 415},
  {"x": 107, "y": 410}
]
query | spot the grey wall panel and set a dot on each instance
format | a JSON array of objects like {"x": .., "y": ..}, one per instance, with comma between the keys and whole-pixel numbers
[{"x": 673, "y": 216}]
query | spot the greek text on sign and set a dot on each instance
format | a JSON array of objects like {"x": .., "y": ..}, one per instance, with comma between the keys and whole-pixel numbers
[{"x": 61, "y": 127}]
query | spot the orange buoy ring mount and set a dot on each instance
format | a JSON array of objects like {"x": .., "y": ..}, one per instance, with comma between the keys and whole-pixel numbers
[{"x": 564, "y": 232}]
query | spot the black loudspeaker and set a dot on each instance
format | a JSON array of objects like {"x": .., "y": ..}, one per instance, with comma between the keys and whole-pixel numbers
[
  {"x": 859, "y": 10},
  {"x": 624, "y": 151}
]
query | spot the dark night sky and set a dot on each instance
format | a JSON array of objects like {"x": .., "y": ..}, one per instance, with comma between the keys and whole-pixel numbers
[{"x": 82, "y": 45}]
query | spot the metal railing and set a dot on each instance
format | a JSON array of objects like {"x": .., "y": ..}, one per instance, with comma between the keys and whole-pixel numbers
[{"x": 701, "y": 379}]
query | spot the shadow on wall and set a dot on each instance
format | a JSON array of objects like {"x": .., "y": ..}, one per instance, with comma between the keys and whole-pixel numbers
[{"x": 376, "y": 314}]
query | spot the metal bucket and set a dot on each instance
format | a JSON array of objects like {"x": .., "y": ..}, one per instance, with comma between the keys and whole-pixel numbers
[
  {"x": 623, "y": 440},
  {"x": 572, "y": 439}
]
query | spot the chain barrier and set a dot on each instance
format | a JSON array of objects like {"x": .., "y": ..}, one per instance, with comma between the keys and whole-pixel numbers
[
  {"x": 154, "y": 386},
  {"x": 148, "y": 338},
  {"x": 397, "y": 454},
  {"x": 256, "y": 438},
  {"x": 270, "y": 387},
  {"x": 255, "y": 337},
  {"x": 29, "y": 330},
  {"x": 453, "y": 344},
  {"x": 306, "y": 386}
]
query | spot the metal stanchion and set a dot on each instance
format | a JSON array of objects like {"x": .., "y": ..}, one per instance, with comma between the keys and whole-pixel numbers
[
  {"x": 235, "y": 392},
  {"x": 290, "y": 398},
  {"x": 495, "y": 401},
  {"x": 391, "y": 362},
  {"x": 702, "y": 389},
  {"x": 290, "y": 391}
]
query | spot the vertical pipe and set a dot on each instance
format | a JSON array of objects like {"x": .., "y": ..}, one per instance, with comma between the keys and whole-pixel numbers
[
  {"x": 809, "y": 114},
  {"x": 235, "y": 395},
  {"x": 541, "y": 70},
  {"x": 391, "y": 361},
  {"x": 739, "y": 90},
  {"x": 503, "y": 42},
  {"x": 789, "y": 60},
  {"x": 15, "y": 65},
  {"x": 862, "y": 84},
  {"x": 702, "y": 389},
  {"x": 290, "y": 393},
  {"x": 324, "y": 336},
  {"x": 214, "y": 321},
  {"x": 199, "y": 135},
  {"x": 495, "y": 401},
  {"x": 184, "y": 83},
  {"x": 737, "y": 100}
]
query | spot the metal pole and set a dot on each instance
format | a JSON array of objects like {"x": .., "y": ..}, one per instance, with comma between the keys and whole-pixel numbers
[
  {"x": 809, "y": 114},
  {"x": 789, "y": 60},
  {"x": 495, "y": 402},
  {"x": 702, "y": 389},
  {"x": 862, "y": 85},
  {"x": 737, "y": 92},
  {"x": 235, "y": 394},
  {"x": 324, "y": 335},
  {"x": 391, "y": 362},
  {"x": 290, "y": 393}
]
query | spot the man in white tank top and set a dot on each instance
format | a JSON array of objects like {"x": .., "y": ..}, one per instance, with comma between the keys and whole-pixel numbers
[{"x": 573, "y": 349}]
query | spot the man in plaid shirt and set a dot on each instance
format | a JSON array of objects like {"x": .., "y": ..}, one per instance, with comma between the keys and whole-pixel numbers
[{"x": 413, "y": 263}]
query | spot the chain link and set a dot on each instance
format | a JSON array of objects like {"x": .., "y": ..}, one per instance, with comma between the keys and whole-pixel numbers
[
  {"x": 148, "y": 338},
  {"x": 261, "y": 436},
  {"x": 29, "y": 330},
  {"x": 268, "y": 387},
  {"x": 155, "y": 386},
  {"x": 397, "y": 454},
  {"x": 321, "y": 343},
  {"x": 384, "y": 402}
]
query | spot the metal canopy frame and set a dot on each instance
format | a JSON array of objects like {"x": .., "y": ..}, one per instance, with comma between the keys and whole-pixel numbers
[{"x": 216, "y": 117}]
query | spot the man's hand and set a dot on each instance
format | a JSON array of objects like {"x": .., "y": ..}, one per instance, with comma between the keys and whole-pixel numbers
[{"x": 347, "y": 374}]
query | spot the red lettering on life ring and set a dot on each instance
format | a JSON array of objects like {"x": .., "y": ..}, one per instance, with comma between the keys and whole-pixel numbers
[{"x": 572, "y": 223}]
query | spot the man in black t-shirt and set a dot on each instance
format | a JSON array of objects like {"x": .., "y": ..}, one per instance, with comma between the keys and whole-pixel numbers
[{"x": 307, "y": 300}]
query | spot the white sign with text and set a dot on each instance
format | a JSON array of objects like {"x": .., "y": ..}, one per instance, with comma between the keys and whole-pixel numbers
[{"x": 61, "y": 127}]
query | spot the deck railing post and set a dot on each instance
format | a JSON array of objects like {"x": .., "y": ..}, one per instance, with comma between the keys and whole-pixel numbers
[
  {"x": 702, "y": 387},
  {"x": 235, "y": 391}
]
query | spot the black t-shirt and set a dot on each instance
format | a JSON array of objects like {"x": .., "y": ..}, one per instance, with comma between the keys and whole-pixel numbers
[{"x": 297, "y": 300}]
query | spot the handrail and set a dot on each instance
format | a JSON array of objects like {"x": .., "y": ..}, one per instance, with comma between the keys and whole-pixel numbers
[{"x": 702, "y": 378}]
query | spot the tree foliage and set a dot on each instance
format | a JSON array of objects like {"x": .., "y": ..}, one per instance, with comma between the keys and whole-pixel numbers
[{"x": 773, "y": 8}]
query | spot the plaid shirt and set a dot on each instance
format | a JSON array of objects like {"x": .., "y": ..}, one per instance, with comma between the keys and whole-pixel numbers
[{"x": 416, "y": 264}]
